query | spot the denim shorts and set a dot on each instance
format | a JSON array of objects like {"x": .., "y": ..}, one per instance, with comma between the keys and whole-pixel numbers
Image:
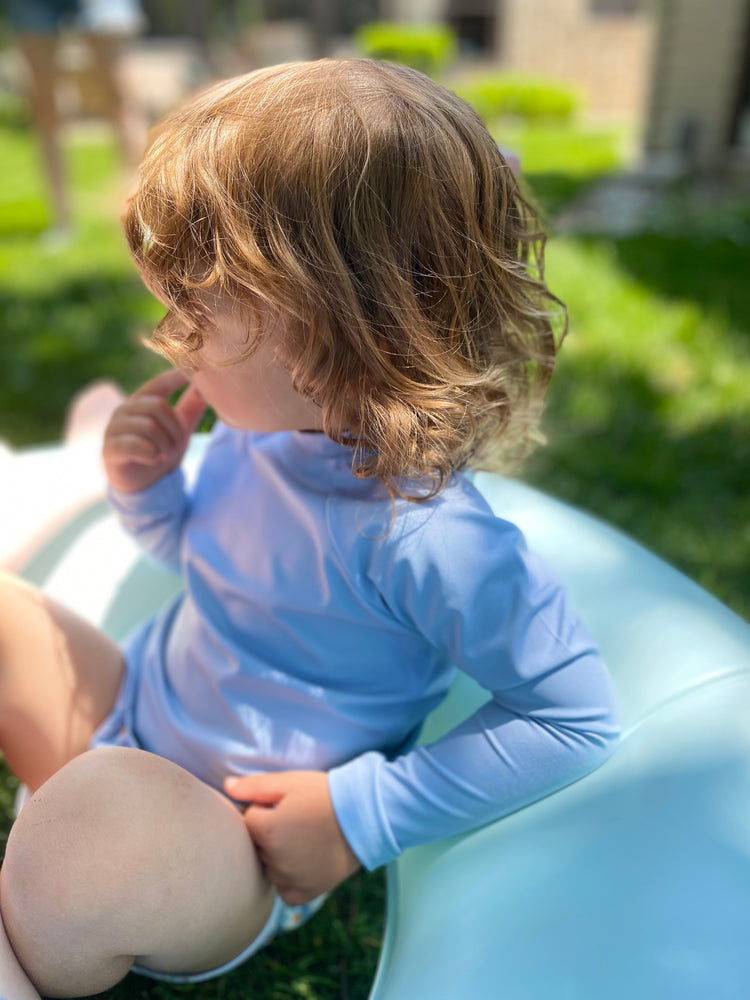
[
  {"x": 46, "y": 17},
  {"x": 282, "y": 919}
]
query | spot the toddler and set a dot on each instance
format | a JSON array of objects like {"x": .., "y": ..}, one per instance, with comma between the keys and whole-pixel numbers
[{"x": 354, "y": 283}]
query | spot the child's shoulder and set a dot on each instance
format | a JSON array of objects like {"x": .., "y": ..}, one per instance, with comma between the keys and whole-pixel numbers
[
  {"x": 458, "y": 522},
  {"x": 422, "y": 559},
  {"x": 360, "y": 515}
]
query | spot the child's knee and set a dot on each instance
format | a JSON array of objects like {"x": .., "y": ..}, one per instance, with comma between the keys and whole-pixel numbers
[
  {"x": 107, "y": 852},
  {"x": 78, "y": 856},
  {"x": 109, "y": 826},
  {"x": 87, "y": 839},
  {"x": 109, "y": 813},
  {"x": 59, "y": 872},
  {"x": 65, "y": 832}
]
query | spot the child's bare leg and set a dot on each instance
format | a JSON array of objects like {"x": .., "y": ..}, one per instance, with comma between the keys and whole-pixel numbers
[
  {"x": 122, "y": 855},
  {"x": 59, "y": 677}
]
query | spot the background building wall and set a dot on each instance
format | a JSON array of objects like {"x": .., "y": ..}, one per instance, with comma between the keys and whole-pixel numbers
[
  {"x": 606, "y": 54},
  {"x": 414, "y": 11},
  {"x": 697, "y": 67}
]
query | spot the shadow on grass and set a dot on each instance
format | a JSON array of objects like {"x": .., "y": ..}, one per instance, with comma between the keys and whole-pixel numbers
[
  {"x": 684, "y": 494},
  {"x": 710, "y": 271},
  {"x": 55, "y": 341}
]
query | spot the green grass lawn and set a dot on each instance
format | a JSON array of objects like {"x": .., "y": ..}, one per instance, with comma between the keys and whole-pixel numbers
[
  {"x": 70, "y": 314},
  {"x": 648, "y": 420},
  {"x": 649, "y": 415}
]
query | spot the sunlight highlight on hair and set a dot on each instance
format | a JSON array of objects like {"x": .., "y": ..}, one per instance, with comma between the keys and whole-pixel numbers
[{"x": 372, "y": 209}]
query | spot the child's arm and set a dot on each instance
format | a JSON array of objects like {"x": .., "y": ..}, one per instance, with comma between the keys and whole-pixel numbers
[
  {"x": 144, "y": 444},
  {"x": 471, "y": 588},
  {"x": 523, "y": 744},
  {"x": 551, "y": 719}
]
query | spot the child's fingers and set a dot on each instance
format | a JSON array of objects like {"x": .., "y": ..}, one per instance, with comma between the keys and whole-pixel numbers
[
  {"x": 265, "y": 789},
  {"x": 189, "y": 409},
  {"x": 157, "y": 417},
  {"x": 148, "y": 428},
  {"x": 180, "y": 421},
  {"x": 128, "y": 448},
  {"x": 259, "y": 819},
  {"x": 285, "y": 888},
  {"x": 259, "y": 822},
  {"x": 162, "y": 385}
]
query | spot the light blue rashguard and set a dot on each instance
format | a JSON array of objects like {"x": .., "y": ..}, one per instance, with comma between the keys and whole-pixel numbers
[{"x": 316, "y": 631}]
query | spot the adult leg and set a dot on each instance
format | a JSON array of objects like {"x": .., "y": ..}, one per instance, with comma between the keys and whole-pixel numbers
[
  {"x": 121, "y": 108},
  {"x": 59, "y": 678},
  {"x": 124, "y": 856},
  {"x": 39, "y": 51}
]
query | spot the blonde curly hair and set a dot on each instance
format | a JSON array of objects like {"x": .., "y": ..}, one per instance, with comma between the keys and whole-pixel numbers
[{"x": 370, "y": 207}]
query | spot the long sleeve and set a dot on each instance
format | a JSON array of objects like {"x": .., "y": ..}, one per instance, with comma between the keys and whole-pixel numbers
[
  {"x": 471, "y": 588},
  {"x": 155, "y": 517}
]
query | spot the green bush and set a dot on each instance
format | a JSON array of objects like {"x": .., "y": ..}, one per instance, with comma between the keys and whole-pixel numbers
[
  {"x": 425, "y": 47},
  {"x": 496, "y": 95}
]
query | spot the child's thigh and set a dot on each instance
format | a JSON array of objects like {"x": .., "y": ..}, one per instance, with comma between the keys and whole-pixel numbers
[
  {"x": 59, "y": 677},
  {"x": 122, "y": 855}
]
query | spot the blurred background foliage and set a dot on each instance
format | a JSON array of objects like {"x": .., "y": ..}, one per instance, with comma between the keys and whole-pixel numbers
[
  {"x": 429, "y": 49},
  {"x": 648, "y": 421}
]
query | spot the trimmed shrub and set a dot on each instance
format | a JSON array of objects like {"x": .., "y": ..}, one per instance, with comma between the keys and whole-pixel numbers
[
  {"x": 496, "y": 95},
  {"x": 426, "y": 47}
]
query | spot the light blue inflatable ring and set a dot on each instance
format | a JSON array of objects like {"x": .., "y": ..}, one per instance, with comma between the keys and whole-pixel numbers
[{"x": 632, "y": 883}]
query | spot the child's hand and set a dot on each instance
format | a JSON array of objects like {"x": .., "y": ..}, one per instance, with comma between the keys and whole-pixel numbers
[
  {"x": 299, "y": 841},
  {"x": 146, "y": 437}
]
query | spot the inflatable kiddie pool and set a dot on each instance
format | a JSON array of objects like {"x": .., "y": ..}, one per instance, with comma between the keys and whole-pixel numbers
[{"x": 632, "y": 883}]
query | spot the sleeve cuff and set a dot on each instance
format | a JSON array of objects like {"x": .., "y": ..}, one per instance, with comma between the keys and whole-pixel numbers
[
  {"x": 163, "y": 497},
  {"x": 355, "y": 793}
]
